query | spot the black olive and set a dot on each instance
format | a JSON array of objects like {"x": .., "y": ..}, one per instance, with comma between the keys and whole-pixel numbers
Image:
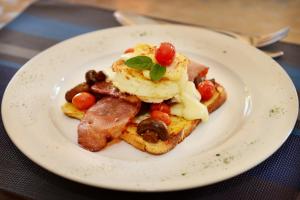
[
  {"x": 150, "y": 136},
  {"x": 82, "y": 87},
  {"x": 152, "y": 126},
  {"x": 91, "y": 77},
  {"x": 100, "y": 76},
  {"x": 145, "y": 108}
]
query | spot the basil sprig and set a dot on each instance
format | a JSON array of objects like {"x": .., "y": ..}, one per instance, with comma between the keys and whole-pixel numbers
[
  {"x": 139, "y": 62},
  {"x": 157, "y": 72},
  {"x": 145, "y": 63}
]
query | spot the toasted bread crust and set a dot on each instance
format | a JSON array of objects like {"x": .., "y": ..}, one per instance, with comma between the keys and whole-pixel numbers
[
  {"x": 214, "y": 105},
  {"x": 179, "y": 128},
  {"x": 130, "y": 136}
]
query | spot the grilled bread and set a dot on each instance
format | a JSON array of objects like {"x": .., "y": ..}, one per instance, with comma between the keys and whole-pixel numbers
[{"x": 179, "y": 128}]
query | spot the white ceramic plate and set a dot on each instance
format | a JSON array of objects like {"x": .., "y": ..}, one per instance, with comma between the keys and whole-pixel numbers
[{"x": 257, "y": 118}]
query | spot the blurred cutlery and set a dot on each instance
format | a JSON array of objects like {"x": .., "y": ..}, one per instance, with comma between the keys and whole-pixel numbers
[{"x": 126, "y": 18}]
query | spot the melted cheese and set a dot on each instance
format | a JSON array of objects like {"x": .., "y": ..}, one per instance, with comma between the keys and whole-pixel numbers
[{"x": 189, "y": 106}]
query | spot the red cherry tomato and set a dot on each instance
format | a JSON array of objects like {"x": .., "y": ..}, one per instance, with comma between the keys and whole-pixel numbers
[
  {"x": 165, "y": 54},
  {"x": 130, "y": 50},
  {"x": 163, "y": 107},
  {"x": 203, "y": 72},
  {"x": 83, "y": 100},
  {"x": 158, "y": 115},
  {"x": 206, "y": 89}
]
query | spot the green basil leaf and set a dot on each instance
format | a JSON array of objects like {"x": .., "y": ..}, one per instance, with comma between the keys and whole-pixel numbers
[
  {"x": 157, "y": 72},
  {"x": 139, "y": 62}
]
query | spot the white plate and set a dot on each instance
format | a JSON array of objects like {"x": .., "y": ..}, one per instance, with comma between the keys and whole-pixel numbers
[{"x": 257, "y": 118}]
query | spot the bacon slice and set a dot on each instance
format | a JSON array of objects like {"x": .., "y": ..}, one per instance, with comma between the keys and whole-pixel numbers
[
  {"x": 105, "y": 121},
  {"x": 107, "y": 88},
  {"x": 194, "y": 69}
]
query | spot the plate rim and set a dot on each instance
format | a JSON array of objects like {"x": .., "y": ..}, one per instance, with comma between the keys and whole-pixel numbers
[{"x": 36, "y": 161}]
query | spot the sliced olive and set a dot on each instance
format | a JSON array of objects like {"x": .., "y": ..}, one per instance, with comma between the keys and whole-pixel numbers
[
  {"x": 82, "y": 87},
  {"x": 154, "y": 127}
]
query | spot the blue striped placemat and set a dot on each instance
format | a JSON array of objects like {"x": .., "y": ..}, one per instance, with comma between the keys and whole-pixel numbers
[{"x": 42, "y": 26}]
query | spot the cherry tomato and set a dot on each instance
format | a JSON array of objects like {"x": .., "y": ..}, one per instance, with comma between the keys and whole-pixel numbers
[
  {"x": 130, "y": 50},
  {"x": 203, "y": 72},
  {"x": 165, "y": 54},
  {"x": 206, "y": 89},
  {"x": 158, "y": 115},
  {"x": 163, "y": 107},
  {"x": 83, "y": 100}
]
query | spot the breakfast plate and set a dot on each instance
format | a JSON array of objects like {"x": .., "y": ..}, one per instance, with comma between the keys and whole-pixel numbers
[{"x": 257, "y": 118}]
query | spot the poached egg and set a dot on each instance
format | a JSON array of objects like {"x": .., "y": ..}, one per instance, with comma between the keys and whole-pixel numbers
[{"x": 173, "y": 85}]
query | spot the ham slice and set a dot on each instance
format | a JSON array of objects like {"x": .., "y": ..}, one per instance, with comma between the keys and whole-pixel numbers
[
  {"x": 107, "y": 88},
  {"x": 194, "y": 69},
  {"x": 105, "y": 121}
]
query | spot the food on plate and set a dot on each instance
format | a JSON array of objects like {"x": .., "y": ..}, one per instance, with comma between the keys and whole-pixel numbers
[{"x": 152, "y": 98}]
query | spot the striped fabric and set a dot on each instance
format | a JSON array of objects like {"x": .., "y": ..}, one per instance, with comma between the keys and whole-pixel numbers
[{"x": 42, "y": 26}]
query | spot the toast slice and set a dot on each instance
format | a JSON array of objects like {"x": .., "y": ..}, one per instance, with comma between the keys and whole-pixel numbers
[{"x": 179, "y": 128}]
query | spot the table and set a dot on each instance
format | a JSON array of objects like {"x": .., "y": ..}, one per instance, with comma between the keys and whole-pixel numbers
[
  {"x": 235, "y": 15},
  {"x": 42, "y": 26}
]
